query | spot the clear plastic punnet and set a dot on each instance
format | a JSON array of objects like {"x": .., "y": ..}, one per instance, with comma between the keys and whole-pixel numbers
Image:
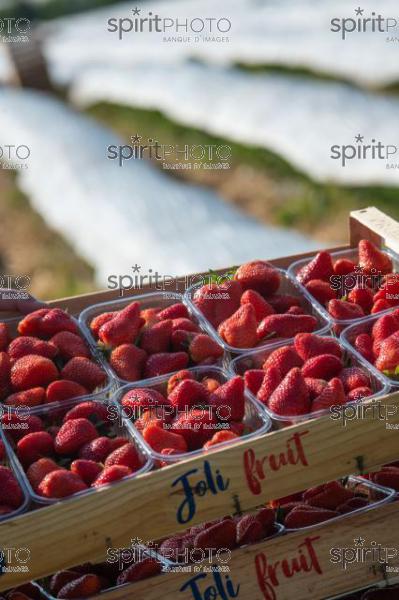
[
  {"x": 159, "y": 300},
  {"x": 375, "y": 494},
  {"x": 52, "y": 415},
  {"x": 256, "y": 358},
  {"x": 287, "y": 286},
  {"x": 351, "y": 254},
  {"x": 348, "y": 337},
  {"x": 256, "y": 421},
  {"x": 101, "y": 393},
  {"x": 10, "y": 462}
]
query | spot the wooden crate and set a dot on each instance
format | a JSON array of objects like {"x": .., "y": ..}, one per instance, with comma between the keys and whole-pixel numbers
[{"x": 247, "y": 474}]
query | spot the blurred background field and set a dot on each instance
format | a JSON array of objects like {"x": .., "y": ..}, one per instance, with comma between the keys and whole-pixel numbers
[{"x": 279, "y": 93}]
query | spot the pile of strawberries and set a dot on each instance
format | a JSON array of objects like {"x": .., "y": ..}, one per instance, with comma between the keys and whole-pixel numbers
[
  {"x": 385, "y": 593},
  {"x": 351, "y": 291},
  {"x": 49, "y": 361},
  {"x": 141, "y": 344},
  {"x": 71, "y": 450},
  {"x": 388, "y": 476},
  {"x": 189, "y": 415},
  {"x": 11, "y": 496},
  {"x": 380, "y": 346},
  {"x": 88, "y": 580},
  {"x": 307, "y": 376},
  {"x": 225, "y": 533},
  {"x": 318, "y": 504},
  {"x": 26, "y": 591},
  {"x": 247, "y": 310}
]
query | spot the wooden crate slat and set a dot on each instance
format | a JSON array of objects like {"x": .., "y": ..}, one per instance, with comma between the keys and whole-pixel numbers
[
  {"x": 259, "y": 571},
  {"x": 155, "y": 504},
  {"x": 374, "y": 225}
]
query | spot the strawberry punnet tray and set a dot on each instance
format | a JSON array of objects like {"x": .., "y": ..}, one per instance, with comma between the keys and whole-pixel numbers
[{"x": 320, "y": 562}]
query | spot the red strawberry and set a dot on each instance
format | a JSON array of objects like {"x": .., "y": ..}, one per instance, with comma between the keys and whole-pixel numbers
[
  {"x": 32, "y": 397},
  {"x": 272, "y": 379},
  {"x": 100, "y": 320},
  {"x": 60, "y": 579},
  {"x": 24, "y": 345},
  {"x": 123, "y": 328},
  {"x": 10, "y": 491},
  {"x": 372, "y": 260},
  {"x": 291, "y": 397},
  {"x": 332, "y": 395},
  {"x": 320, "y": 267},
  {"x": 189, "y": 393},
  {"x": 62, "y": 389},
  {"x": 177, "y": 378},
  {"x": 382, "y": 329},
  {"x": 85, "y": 372},
  {"x": 328, "y": 495},
  {"x": 180, "y": 340},
  {"x": 220, "y": 535},
  {"x": 19, "y": 426},
  {"x": 217, "y": 302},
  {"x": 362, "y": 296},
  {"x": 261, "y": 307},
  {"x": 267, "y": 518},
  {"x": 5, "y": 375},
  {"x": 286, "y": 326},
  {"x": 163, "y": 363},
  {"x": 221, "y": 437},
  {"x": 2, "y": 451},
  {"x": 111, "y": 474},
  {"x": 324, "y": 366},
  {"x": 239, "y": 330},
  {"x": 359, "y": 393},
  {"x": 96, "y": 450},
  {"x": 150, "y": 316},
  {"x": 379, "y": 306},
  {"x": 249, "y": 530},
  {"x": 159, "y": 439},
  {"x": 126, "y": 456},
  {"x": 202, "y": 346},
  {"x": 87, "y": 470},
  {"x": 353, "y": 377},
  {"x": 83, "y": 587},
  {"x": 300, "y": 517},
  {"x": 157, "y": 338},
  {"x": 308, "y": 345},
  {"x": 388, "y": 356},
  {"x": 88, "y": 410},
  {"x": 38, "y": 471},
  {"x": 128, "y": 361},
  {"x": 231, "y": 396},
  {"x": 34, "y": 446},
  {"x": 387, "y": 477},
  {"x": 341, "y": 310},
  {"x": 352, "y": 504},
  {"x": 147, "y": 567},
  {"x": 70, "y": 345},
  {"x": 344, "y": 266},
  {"x": 139, "y": 399},
  {"x": 174, "y": 311},
  {"x": 315, "y": 386},
  {"x": 258, "y": 275},
  {"x": 253, "y": 379},
  {"x": 4, "y": 336},
  {"x": 32, "y": 371},
  {"x": 74, "y": 434},
  {"x": 46, "y": 322},
  {"x": 364, "y": 345},
  {"x": 284, "y": 359},
  {"x": 184, "y": 325},
  {"x": 321, "y": 290},
  {"x": 195, "y": 426},
  {"x": 281, "y": 303}
]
